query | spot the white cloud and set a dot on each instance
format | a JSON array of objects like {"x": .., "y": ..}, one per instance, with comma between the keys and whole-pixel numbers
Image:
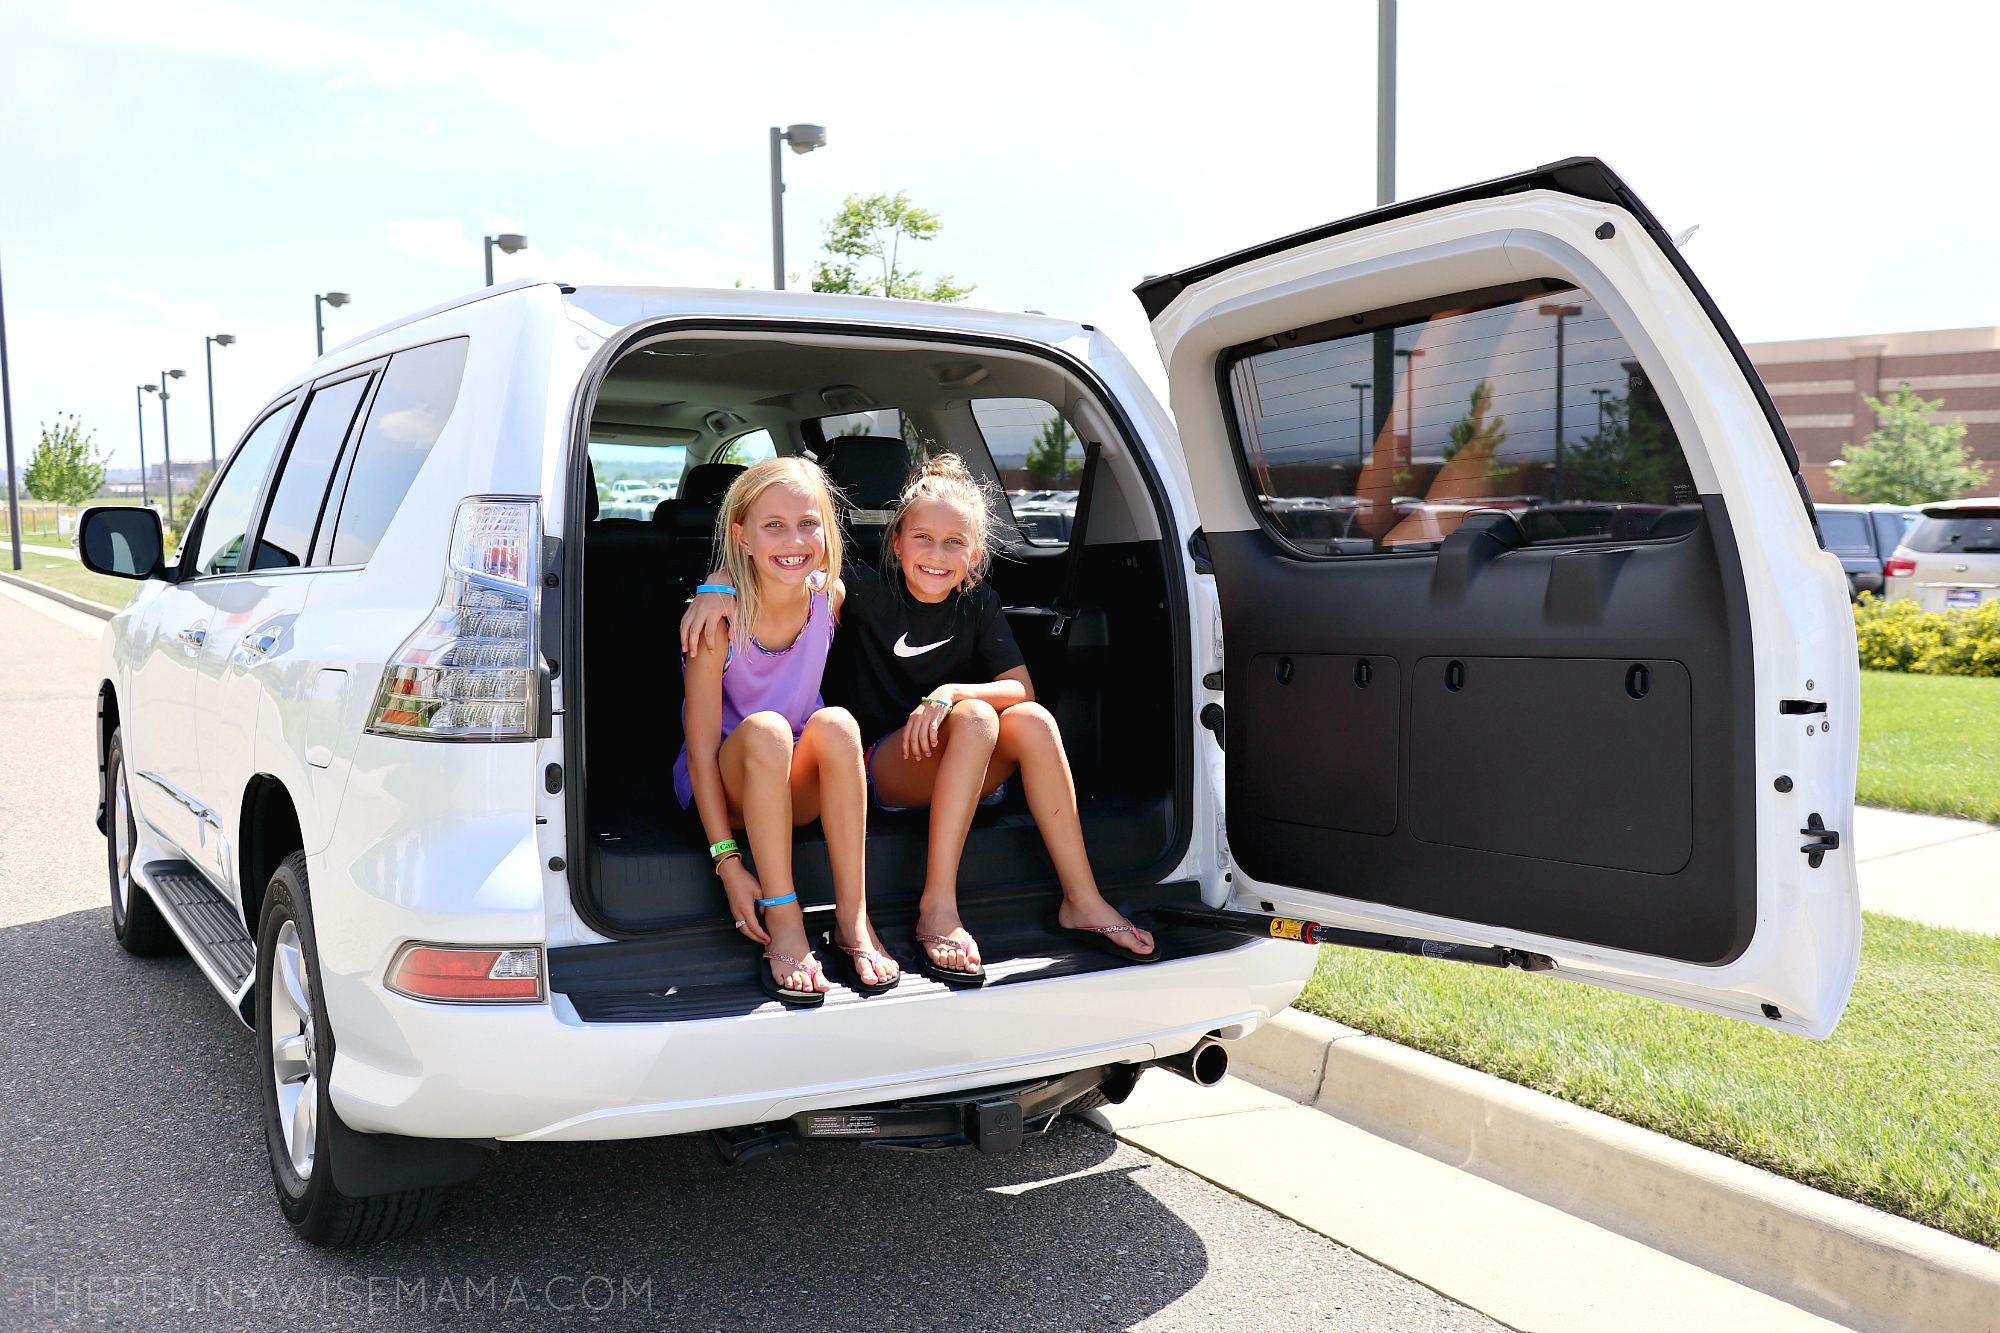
[{"x": 440, "y": 241}]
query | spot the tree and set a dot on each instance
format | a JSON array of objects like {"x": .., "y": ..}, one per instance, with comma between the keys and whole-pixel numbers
[
  {"x": 1634, "y": 458},
  {"x": 1908, "y": 459},
  {"x": 66, "y": 468},
  {"x": 873, "y": 227},
  {"x": 1474, "y": 429},
  {"x": 1049, "y": 455}
]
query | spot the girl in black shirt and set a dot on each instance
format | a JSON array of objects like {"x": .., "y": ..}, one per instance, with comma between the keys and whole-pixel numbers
[{"x": 931, "y": 671}]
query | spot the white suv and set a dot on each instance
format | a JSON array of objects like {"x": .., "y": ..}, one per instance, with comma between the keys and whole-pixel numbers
[{"x": 388, "y": 748}]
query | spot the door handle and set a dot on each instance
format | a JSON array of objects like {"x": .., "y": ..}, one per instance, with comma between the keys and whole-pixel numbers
[
  {"x": 193, "y": 637},
  {"x": 260, "y": 644}
]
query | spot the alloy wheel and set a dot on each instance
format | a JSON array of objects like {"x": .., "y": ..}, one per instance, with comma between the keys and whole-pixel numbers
[{"x": 294, "y": 1051}]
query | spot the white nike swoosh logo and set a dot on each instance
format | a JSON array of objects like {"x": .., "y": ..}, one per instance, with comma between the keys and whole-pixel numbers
[{"x": 903, "y": 649}]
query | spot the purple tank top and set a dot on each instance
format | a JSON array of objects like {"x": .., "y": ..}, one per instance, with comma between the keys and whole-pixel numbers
[{"x": 758, "y": 680}]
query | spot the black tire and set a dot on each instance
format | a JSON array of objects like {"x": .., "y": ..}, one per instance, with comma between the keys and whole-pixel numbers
[
  {"x": 136, "y": 922},
  {"x": 301, "y": 1153}
]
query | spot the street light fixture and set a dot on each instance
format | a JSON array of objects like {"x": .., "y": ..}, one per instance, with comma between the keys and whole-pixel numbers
[
  {"x": 509, "y": 243},
  {"x": 803, "y": 139},
  {"x": 166, "y": 444},
  {"x": 334, "y": 299},
  {"x": 1560, "y": 314},
  {"x": 209, "y": 344}
]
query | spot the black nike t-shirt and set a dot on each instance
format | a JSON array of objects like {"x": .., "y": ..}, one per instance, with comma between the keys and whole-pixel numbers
[{"x": 892, "y": 649}]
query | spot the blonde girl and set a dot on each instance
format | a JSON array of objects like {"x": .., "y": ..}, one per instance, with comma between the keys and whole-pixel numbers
[
  {"x": 943, "y": 699},
  {"x": 763, "y": 753}
]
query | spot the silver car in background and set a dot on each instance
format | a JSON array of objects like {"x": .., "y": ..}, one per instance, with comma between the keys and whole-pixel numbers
[{"x": 1949, "y": 560}]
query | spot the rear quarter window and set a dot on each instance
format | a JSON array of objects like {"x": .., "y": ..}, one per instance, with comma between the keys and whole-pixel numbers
[
  {"x": 1846, "y": 532},
  {"x": 419, "y": 391}
]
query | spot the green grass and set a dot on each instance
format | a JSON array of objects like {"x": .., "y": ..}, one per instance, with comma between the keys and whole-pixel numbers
[
  {"x": 69, "y": 576},
  {"x": 1896, "y": 1110},
  {"x": 1931, "y": 743}
]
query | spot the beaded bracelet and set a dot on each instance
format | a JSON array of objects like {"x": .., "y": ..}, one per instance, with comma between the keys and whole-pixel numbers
[{"x": 940, "y": 702}]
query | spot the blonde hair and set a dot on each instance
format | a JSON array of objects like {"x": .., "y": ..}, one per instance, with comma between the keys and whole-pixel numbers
[
  {"x": 944, "y": 478},
  {"x": 751, "y": 483}
]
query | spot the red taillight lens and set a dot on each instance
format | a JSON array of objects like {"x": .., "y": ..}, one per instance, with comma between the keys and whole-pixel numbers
[
  {"x": 1897, "y": 568},
  {"x": 460, "y": 974}
]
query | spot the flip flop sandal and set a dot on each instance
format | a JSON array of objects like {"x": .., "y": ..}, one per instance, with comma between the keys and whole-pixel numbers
[
  {"x": 950, "y": 976},
  {"x": 791, "y": 999},
  {"x": 1099, "y": 937},
  {"x": 852, "y": 969}
]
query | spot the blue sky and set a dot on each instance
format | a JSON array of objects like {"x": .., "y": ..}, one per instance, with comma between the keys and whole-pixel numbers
[{"x": 170, "y": 170}]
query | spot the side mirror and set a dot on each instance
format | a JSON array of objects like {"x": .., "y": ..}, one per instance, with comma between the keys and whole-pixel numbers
[{"x": 121, "y": 540}]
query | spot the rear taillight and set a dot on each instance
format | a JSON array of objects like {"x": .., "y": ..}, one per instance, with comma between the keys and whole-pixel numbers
[
  {"x": 468, "y": 974},
  {"x": 468, "y": 673},
  {"x": 1898, "y": 568}
]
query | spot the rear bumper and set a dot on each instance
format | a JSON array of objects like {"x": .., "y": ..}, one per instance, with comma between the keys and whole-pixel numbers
[{"x": 541, "y": 1073}]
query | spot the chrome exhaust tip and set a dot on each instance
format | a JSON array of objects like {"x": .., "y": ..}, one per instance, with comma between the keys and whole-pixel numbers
[{"x": 1203, "y": 1064}]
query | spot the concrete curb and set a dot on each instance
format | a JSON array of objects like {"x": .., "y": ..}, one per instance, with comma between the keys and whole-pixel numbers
[
  {"x": 89, "y": 608},
  {"x": 1835, "y": 1258}
]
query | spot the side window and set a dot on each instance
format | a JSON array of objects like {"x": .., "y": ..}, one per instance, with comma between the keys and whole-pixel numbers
[
  {"x": 754, "y": 447},
  {"x": 632, "y": 479},
  {"x": 418, "y": 392},
  {"x": 1040, "y": 460},
  {"x": 225, "y": 523},
  {"x": 1846, "y": 533},
  {"x": 1380, "y": 432},
  {"x": 296, "y": 501}
]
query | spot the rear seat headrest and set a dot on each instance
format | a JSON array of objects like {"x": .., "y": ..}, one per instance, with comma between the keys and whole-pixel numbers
[
  {"x": 707, "y": 483},
  {"x": 869, "y": 469}
]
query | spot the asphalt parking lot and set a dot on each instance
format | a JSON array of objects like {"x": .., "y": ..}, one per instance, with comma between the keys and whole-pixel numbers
[{"x": 134, "y": 1191}]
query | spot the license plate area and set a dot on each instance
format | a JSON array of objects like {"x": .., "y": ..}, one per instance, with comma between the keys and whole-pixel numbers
[{"x": 1961, "y": 599}]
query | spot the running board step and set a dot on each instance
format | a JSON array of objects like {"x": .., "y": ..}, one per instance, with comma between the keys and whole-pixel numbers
[{"x": 207, "y": 923}]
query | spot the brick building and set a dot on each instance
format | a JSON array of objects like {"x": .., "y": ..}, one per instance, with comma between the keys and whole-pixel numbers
[{"x": 1818, "y": 385}]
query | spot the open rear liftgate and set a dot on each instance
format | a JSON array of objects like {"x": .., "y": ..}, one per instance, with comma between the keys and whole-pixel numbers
[{"x": 998, "y": 1119}]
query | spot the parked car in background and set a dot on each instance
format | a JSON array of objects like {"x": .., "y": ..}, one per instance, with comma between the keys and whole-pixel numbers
[
  {"x": 1864, "y": 537},
  {"x": 1949, "y": 560}
]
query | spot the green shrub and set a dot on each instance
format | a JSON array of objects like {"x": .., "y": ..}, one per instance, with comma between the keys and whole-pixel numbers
[{"x": 1902, "y": 636}]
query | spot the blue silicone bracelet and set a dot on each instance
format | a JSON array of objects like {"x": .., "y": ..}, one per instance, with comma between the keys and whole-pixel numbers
[
  {"x": 722, "y": 588},
  {"x": 791, "y": 897}
]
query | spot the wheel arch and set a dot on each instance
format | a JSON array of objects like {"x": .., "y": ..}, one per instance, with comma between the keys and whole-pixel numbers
[
  {"x": 107, "y": 722},
  {"x": 268, "y": 832}
]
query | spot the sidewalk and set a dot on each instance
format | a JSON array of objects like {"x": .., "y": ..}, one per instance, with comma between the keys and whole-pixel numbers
[
  {"x": 1943, "y": 872},
  {"x": 1523, "y": 1263}
]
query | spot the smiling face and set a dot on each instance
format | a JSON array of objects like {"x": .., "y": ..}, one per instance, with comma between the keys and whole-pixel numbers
[
  {"x": 935, "y": 547},
  {"x": 784, "y": 536}
]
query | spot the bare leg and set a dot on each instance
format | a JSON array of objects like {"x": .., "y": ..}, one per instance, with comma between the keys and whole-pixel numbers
[
  {"x": 1030, "y": 738},
  {"x": 756, "y": 763},
  {"x": 950, "y": 781},
  {"x": 828, "y": 784}
]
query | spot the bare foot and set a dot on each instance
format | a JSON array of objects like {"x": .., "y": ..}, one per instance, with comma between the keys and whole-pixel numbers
[
  {"x": 961, "y": 954},
  {"x": 875, "y": 967},
  {"x": 1095, "y": 913},
  {"x": 790, "y": 938}
]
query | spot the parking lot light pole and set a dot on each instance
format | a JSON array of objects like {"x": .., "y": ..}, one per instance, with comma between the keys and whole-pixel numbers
[
  {"x": 1360, "y": 420},
  {"x": 139, "y": 393},
  {"x": 1561, "y": 313},
  {"x": 803, "y": 139},
  {"x": 508, "y": 242},
  {"x": 213, "y": 341},
  {"x": 166, "y": 444},
  {"x": 7, "y": 411},
  {"x": 334, "y": 299},
  {"x": 1409, "y": 400},
  {"x": 1385, "y": 102}
]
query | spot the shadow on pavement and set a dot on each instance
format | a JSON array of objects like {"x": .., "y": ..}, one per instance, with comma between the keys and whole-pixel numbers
[{"x": 136, "y": 1194}]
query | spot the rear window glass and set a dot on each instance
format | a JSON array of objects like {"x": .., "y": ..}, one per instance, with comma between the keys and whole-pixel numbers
[
  {"x": 295, "y": 507},
  {"x": 1040, "y": 459},
  {"x": 1965, "y": 530},
  {"x": 632, "y": 479},
  {"x": 418, "y": 392},
  {"x": 1381, "y": 431},
  {"x": 1846, "y": 532}
]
